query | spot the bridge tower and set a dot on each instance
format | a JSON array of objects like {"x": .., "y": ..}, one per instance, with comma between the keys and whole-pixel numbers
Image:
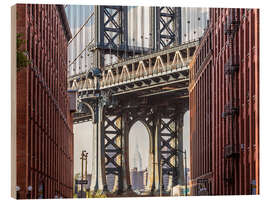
[
  {"x": 166, "y": 26},
  {"x": 111, "y": 31},
  {"x": 111, "y": 35},
  {"x": 151, "y": 88}
]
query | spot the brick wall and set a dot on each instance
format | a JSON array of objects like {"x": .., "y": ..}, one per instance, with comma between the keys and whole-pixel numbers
[
  {"x": 45, "y": 133},
  {"x": 200, "y": 116},
  {"x": 236, "y": 46},
  {"x": 226, "y": 87}
]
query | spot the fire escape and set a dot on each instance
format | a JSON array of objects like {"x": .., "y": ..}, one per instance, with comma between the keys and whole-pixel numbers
[{"x": 231, "y": 109}]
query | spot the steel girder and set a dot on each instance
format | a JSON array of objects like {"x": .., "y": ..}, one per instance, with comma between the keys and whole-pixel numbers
[
  {"x": 114, "y": 26},
  {"x": 110, "y": 33},
  {"x": 159, "y": 74},
  {"x": 168, "y": 27},
  {"x": 111, "y": 147}
]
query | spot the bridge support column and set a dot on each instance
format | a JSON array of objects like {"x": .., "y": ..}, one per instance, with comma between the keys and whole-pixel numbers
[
  {"x": 151, "y": 122},
  {"x": 98, "y": 180},
  {"x": 173, "y": 162},
  {"x": 180, "y": 178},
  {"x": 121, "y": 181},
  {"x": 157, "y": 158},
  {"x": 118, "y": 178},
  {"x": 125, "y": 182}
]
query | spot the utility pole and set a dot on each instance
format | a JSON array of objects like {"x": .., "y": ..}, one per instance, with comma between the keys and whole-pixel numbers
[
  {"x": 82, "y": 158},
  {"x": 86, "y": 155},
  {"x": 185, "y": 157},
  {"x": 85, "y": 158}
]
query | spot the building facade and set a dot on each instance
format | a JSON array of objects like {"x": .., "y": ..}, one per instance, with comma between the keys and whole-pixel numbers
[
  {"x": 200, "y": 114},
  {"x": 44, "y": 123},
  {"x": 227, "y": 111}
]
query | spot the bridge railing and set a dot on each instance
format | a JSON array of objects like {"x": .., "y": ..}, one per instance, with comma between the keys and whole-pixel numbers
[
  {"x": 142, "y": 67},
  {"x": 140, "y": 70}
]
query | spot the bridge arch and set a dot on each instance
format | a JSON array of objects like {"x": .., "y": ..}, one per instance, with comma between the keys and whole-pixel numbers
[
  {"x": 82, "y": 105},
  {"x": 141, "y": 176}
]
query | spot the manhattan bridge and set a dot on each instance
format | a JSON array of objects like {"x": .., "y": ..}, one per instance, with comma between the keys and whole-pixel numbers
[{"x": 129, "y": 64}]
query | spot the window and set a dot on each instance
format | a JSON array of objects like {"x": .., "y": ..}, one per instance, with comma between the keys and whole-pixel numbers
[
  {"x": 32, "y": 50},
  {"x": 252, "y": 29},
  {"x": 247, "y": 37},
  {"x": 28, "y": 38},
  {"x": 33, "y": 12},
  {"x": 37, "y": 11}
]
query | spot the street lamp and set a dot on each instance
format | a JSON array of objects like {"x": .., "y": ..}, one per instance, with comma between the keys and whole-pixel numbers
[
  {"x": 18, "y": 192},
  {"x": 29, "y": 189},
  {"x": 83, "y": 157},
  {"x": 96, "y": 73},
  {"x": 56, "y": 195}
]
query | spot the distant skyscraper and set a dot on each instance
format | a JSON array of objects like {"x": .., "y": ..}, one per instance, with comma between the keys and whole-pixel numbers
[
  {"x": 136, "y": 173},
  {"x": 137, "y": 179},
  {"x": 137, "y": 158},
  {"x": 110, "y": 181}
]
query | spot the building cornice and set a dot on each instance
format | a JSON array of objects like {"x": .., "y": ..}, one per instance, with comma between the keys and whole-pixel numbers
[{"x": 64, "y": 20}]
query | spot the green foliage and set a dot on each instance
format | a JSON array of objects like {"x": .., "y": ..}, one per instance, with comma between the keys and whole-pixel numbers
[
  {"x": 22, "y": 60},
  {"x": 98, "y": 194}
]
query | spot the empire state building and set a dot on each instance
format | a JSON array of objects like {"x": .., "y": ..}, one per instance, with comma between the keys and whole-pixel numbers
[{"x": 138, "y": 175}]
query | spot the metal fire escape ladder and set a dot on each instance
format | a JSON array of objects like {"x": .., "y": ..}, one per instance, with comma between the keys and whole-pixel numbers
[{"x": 231, "y": 150}]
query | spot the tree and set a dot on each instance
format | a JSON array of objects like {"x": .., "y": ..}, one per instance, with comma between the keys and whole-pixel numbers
[{"x": 21, "y": 57}]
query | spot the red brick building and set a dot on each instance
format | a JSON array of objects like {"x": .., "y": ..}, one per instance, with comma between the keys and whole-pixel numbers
[
  {"x": 44, "y": 122},
  {"x": 200, "y": 115},
  {"x": 224, "y": 105}
]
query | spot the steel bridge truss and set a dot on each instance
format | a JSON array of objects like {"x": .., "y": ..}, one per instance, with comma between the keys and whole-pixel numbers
[
  {"x": 168, "y": 143},
  {"x": 152, "y": 89},
  {"x": 162, "y": 72},
  {"x": 111, "y": 28},
  {"x": 168, "y": 26},
  {"x": 111, "y": 145}
]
